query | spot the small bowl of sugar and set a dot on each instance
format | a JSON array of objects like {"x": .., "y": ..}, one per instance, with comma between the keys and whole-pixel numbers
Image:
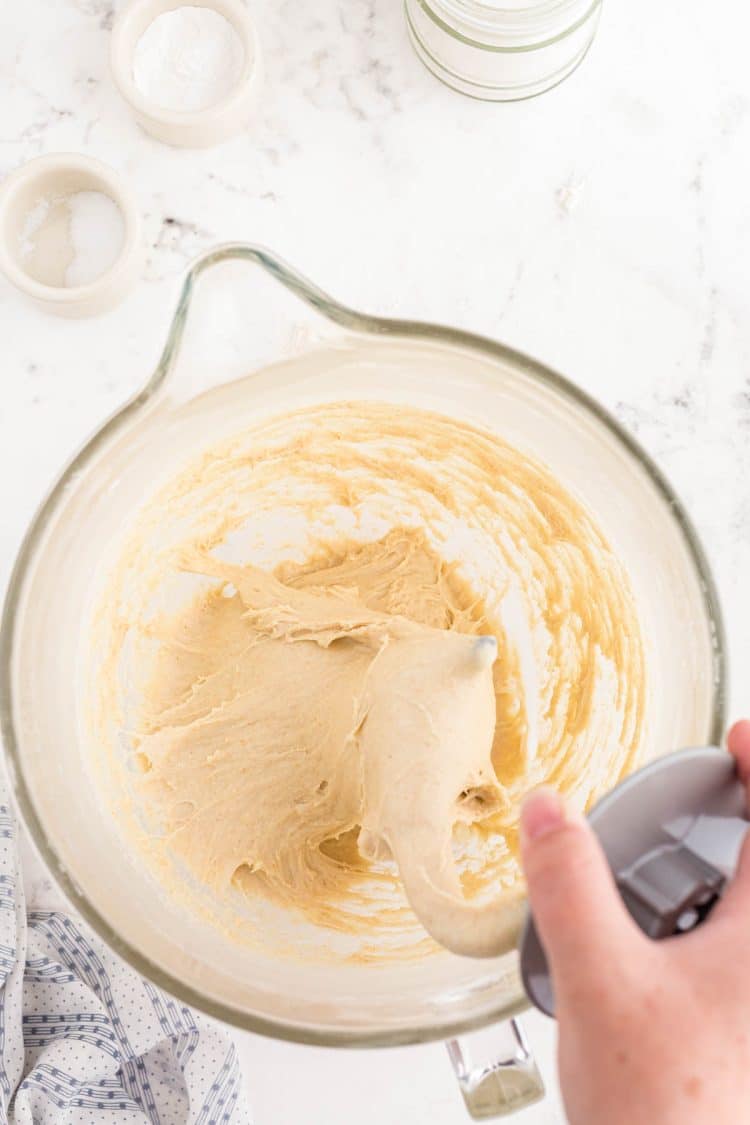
[
  {"x": 188, "y": 69},
  {"x": 70, "y": 234}
]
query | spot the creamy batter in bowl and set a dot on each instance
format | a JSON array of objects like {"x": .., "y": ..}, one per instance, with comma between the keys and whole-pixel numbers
[
  {"x": 379, "y": 374},
  {"x": 285, "y": 684}
]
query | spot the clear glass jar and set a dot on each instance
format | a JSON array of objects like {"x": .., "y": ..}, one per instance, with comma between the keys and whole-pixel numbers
[{"x": 502, "y": 50}]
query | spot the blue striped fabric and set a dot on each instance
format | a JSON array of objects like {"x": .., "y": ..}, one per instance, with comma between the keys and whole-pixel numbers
[{"x": 84, "y": 1041}]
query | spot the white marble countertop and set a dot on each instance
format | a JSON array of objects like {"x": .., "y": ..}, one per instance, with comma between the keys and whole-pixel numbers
[{"x": 603, "y": 227}]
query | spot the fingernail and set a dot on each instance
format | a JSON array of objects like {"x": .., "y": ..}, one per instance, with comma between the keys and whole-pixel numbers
[{"x": 543, "y": 811}]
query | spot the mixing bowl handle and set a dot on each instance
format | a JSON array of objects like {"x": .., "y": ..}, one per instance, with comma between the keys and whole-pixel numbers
[
  {"x": 248, "y": 317},
  {"x": 238, "y": 317},
  {"x": 496, "y": 1071}
]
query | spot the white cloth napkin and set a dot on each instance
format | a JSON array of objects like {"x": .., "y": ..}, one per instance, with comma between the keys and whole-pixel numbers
[{"x": 84, "y": 1041}]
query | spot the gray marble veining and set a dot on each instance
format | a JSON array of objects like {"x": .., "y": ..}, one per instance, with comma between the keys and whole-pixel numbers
[{"x": 603, "y": 228}]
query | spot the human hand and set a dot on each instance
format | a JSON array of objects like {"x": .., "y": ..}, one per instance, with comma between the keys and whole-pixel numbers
[{"x": 656, "y": 1033}]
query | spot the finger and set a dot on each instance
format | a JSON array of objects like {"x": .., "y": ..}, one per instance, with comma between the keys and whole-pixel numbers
[
  {"x": 581, "y": 919},
  {"x": 738, "y": 743}
]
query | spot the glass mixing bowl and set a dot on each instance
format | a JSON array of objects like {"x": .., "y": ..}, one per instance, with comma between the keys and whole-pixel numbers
[{"x": 215, "y": 378}]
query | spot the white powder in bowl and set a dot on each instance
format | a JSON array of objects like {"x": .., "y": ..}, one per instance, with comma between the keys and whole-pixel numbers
[
  {"x": 71, "y": 240},
  {"x": 188, "y": 59}
]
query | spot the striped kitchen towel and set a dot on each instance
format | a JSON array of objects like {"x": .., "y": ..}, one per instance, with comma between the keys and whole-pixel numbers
[{"x": 84, "y": 1041}]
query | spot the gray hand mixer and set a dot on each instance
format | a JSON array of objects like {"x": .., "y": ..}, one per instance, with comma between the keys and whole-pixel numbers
[{"x": 672, "y": 834}]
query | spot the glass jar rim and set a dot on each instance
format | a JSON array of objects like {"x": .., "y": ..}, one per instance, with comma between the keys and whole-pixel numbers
[{"x": 551, "y": 19}]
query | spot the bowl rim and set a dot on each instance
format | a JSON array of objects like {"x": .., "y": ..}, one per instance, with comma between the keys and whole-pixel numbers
[{"x": 364, "y": 324}]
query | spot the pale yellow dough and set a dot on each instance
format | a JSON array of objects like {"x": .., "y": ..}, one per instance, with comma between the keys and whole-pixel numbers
[{"x": 303, "y": 714}]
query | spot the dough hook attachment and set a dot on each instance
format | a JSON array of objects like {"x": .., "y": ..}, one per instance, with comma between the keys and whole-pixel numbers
[{"x": 672, "y": 834}]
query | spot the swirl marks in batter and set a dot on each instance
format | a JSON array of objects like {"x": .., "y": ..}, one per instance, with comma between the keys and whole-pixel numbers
[{"x": 241, "y": 730}]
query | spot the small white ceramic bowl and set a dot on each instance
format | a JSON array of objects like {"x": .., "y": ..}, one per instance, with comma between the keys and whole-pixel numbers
[
  {"x": 56, "y": 176},
  {"x": 189, "y": 128}
]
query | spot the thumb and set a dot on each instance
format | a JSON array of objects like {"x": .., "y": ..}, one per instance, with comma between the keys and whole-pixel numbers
[{"x": 581, "y": 919}]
